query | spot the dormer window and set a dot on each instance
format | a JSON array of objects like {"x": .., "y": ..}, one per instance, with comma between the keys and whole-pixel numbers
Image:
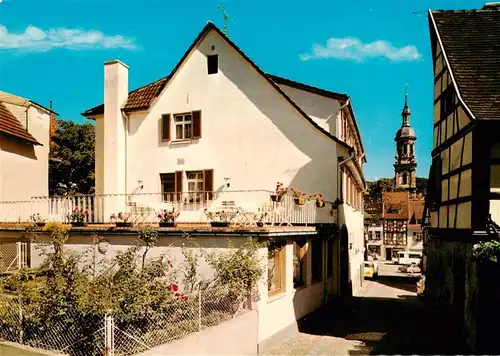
[{"x": 212, "y": 63}]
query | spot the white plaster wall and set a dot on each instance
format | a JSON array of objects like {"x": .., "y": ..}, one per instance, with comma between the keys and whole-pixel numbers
[
  {"x": 280, "y": 312},
  {"x": 354, "y": 221},
  {"x": 24, "y": 167},
  {"x": 222, "y": 339},
  {"x": 249, "y": 132},
  {"x": 324, "y": 111},
  {"x": 99, "y": 155},
  {"x": 169, "y": 246}
]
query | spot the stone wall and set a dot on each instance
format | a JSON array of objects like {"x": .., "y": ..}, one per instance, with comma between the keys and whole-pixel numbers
[
  {"x": 464, "y": 291},
  {"x": 449, "y": 283}
]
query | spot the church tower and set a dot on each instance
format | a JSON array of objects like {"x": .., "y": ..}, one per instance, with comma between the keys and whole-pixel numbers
[{"x": 405, "y": 165}]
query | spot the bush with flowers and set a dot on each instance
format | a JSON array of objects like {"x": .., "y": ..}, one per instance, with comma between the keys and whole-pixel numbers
[{"x": 149, "y": 296}]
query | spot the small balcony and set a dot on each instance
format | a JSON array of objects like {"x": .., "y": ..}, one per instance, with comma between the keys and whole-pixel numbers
[{"x": 249, "y": 206}]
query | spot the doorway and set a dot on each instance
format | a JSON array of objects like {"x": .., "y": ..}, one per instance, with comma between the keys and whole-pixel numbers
[{"x": 388, "y": 253}]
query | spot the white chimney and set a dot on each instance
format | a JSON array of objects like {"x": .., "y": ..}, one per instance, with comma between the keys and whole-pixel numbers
[{"x": 114, "y": 128}]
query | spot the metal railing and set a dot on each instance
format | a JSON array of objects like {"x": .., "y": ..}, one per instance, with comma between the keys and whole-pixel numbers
[{"x": 190, "y": 206}]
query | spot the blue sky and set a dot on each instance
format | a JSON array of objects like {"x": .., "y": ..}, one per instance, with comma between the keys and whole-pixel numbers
[{"x": 55, "y": 50}]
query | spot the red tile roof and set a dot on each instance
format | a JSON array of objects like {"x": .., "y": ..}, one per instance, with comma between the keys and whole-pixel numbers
[
  {"x": 141, "y": 98},
  {"x": 11, "y": 126},
  {"x": 417, "y": 208},
  {"x": 395, "y": 205}
]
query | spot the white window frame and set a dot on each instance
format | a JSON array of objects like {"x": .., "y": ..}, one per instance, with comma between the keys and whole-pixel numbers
[
  {"x": 183, "y": 122},
  {"x": 196, "y": 194}
]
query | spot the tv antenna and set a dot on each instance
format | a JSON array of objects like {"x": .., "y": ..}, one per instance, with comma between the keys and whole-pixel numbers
[{"x": 227, "y": 18}]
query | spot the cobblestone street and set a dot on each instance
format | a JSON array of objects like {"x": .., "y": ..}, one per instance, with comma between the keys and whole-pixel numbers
[{"x": 385, "y": 318}]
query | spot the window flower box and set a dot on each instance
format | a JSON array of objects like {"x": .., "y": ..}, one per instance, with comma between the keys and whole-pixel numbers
[
  {"x": 167, "y": 218},
  {"x": 78, "y": 224},
  {"x": 220, "y": 218},
  {"x": 219, "y": 223},
  {"x": 167, "y": 224},
  {"x": 299, "y": 197},
  {"x": 122, "y": 220},
  {"x": 280, "y": 191},
  {"x": 37, "y": 219},
  {"x": 78, "y": 218},
  {"x": 320, "y": 200}
]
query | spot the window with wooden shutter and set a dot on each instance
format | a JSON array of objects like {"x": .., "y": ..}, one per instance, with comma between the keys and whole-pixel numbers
[
  {"x": 196, "y": 126},
  {"x": 208, "y": 184},
  {"x": 168, "y": 186},
  {"x": 178, "y": 184},
  {"x": 165, "y": 127}
]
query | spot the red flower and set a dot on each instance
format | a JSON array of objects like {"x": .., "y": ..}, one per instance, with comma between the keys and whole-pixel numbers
[
  {"x": 174, "y": 287},
  {"x": 177, "y": 294},
  {"x": 184, "y": 298}
]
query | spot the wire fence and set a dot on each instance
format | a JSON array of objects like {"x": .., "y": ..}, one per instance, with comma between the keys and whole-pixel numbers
[
  {"x": 67, "y": 333},
  {"x": 73, "y": 333}
]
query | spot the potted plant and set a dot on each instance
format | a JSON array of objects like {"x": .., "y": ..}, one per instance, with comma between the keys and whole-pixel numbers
[
  {"x": 299, "y": 197},
  {"x": 279, "y": 192},
  {"x": 78, "y": 217},
  {"x": 259, "y": 217},
  {"x": 320, "y": 200},
  {"x": 37, "y": 219},
  {"x": 219, "y": 218},
  {"x": 167, "y": 218},
  {"x": 122, "y": 219}
]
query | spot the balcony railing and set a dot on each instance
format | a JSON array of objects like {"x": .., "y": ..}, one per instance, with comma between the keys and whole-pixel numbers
[{"x": 190, "y": 205}]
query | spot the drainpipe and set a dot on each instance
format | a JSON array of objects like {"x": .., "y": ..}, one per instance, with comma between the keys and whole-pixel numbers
[
  {"x": 339, "y": 165},
  {"x": 127, "y": 129}
]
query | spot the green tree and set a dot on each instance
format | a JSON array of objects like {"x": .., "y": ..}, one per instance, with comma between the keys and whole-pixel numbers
[{"x": 72, "y": 159}]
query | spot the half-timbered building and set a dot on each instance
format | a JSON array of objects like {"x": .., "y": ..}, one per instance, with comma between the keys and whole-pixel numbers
[{"x": 464, "y": 181}]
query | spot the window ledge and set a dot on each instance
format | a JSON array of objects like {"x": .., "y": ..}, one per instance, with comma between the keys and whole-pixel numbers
[
  {"x": 180, "y": 142},
  {"x": 275, "y": 297}
]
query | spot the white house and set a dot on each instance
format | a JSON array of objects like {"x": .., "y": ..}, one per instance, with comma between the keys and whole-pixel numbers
[
  {"x": 24, "y": 148},
  {"x": 218, "y": 123},
  {"x": 24, "y": 165}
]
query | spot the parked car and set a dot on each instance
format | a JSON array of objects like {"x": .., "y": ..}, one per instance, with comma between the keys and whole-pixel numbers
[
  {"x": 413, "y": 268},
  {"x": 421, "y": 286},
  {"x": 375, "y": 263},
  {"x": 370, "y": 270},
  {"x": 408, "y": 258}
]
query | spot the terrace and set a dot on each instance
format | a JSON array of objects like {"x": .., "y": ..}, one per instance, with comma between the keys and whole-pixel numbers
[{"x": 247, "y": 209}]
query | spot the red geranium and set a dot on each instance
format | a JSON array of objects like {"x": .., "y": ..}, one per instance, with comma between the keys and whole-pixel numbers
[{"x": 174, "y": 287}]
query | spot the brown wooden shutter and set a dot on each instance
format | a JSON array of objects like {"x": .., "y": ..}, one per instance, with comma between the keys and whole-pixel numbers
[
  {"x": 196, "y": 127},
  {"x": 165, "y": 127},
  {"x": 178, "y": 185},
  {"x": 208, "y": 184}
]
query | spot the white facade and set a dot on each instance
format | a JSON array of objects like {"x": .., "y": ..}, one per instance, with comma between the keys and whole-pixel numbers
[
  {"x": 23, "y": 165},
  {"x": 374, "y": 239},
  {"x": 253, "y": 135}
]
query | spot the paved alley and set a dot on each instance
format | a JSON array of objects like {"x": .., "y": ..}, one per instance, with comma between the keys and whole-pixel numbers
[{"x": 385, "y": 318}]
